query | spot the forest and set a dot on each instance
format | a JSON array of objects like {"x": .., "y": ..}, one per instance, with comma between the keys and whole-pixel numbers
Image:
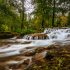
[{"x": 45, "y": 14}]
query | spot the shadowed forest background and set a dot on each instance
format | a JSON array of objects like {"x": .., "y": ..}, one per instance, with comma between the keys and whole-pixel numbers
[{"x": 45, "y": 13}]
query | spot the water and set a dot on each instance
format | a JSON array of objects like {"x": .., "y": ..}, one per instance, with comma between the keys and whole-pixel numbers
[
  {"x": 58, "y": 34},
  {"x": 54, "y": 35}
]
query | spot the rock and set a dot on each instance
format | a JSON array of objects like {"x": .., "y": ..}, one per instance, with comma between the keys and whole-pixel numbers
[
  {"x": 49, "y": 56},
  {"x": 26, "y": 61},
  {"x": 28, "y": 53},
  {"x": 6, "y": 35},
  {"x": 39, "y": 56},
  {"x": 41, "y": 49},
  {"x": 36, "y": 36},
  {"x": 12, "y": 64}
]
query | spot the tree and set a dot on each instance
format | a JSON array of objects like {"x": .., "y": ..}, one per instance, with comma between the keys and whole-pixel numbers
[
  {"x": 53, "y": 17},
  {"x": 42, "y": 9},
  {"x": 22, "y": 13},
  {"x": 7, "y": 16},
  {"x": 69, "y": 19},
  {"x": 51, "y": 9}
]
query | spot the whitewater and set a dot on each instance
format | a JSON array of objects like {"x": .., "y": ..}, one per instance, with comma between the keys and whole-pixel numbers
[{"x": 54, "y": 35}]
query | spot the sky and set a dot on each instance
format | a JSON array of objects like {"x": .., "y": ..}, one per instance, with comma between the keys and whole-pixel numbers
[{"x": 29, "y": 7}]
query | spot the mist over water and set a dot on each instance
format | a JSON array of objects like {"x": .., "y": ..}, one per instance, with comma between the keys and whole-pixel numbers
[{"x": 54, "y": 36}]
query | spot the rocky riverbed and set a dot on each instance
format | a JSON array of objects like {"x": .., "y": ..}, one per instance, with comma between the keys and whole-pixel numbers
[{"x": 54, "y": 57}]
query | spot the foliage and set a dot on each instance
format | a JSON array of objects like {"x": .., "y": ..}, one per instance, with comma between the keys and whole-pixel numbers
[
  {"x": 63, "y": 21},
  {"x": 7, "y": 18},
  {"x": 28, "y": 31},
  {"x": 10, "y": 20},
  {"x": 47, "y": 11}
]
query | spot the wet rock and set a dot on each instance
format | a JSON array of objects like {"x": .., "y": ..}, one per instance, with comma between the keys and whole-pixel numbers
[
  {"x": 36, "y": 36},
  {"x": 41, "y": 49},
  {"x": 26, "y": 61},
  {"x": 16, "y": 66},
  {"x": 68, "y": 36},
  {"x": 28, "y": 53},
  {"x": 39, "y": 56},
  {"x": 12, "y": 64},
  {"x": 52, "y": 47}
]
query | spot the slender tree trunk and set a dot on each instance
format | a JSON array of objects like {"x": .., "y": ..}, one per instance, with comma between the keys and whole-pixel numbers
[
  {"x": 22, "y": 16},
  {"x": 43, "y": 23},
  {"x": 22, "y": 20},
  {"x": 53, "y": 17}
]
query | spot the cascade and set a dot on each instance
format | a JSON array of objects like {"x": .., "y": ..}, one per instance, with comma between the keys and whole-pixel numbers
[{"x": 48, "y": 37}]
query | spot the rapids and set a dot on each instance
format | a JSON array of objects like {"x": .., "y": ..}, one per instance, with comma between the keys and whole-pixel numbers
[{"x": 17, "y": 45}]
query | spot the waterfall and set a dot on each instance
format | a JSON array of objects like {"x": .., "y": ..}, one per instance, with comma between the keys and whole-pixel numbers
[{"x": 59, "y": 34}]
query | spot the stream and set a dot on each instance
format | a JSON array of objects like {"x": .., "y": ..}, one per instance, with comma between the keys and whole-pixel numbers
[
  {"x": 14, "y": 46},
  {"x": 12, "y": 50}
]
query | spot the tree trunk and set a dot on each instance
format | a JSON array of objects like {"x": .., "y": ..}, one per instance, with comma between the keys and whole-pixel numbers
[
  {"x": 53, "y": 17},
  {"x": 22, "y": 15},
  {"x": 22, "y": 21},
  {"x": 43, "y": 23}
]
